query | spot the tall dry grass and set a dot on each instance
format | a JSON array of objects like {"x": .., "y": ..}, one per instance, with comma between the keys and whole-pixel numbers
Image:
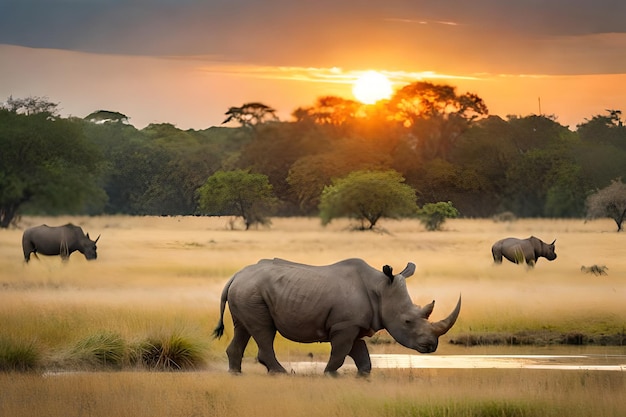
[
  {"x": 502, "y": 393},
  {"x": 157, "y": 275}
]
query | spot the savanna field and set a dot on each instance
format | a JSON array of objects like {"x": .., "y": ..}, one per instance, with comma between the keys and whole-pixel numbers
[{"x": 157, "y": 282}]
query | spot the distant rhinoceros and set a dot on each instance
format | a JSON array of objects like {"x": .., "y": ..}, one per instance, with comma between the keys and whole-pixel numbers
[
  {"x": 61, "y": 240},
  {"x": 339, "y": 303},
  {"x": 522, "y": 250}
]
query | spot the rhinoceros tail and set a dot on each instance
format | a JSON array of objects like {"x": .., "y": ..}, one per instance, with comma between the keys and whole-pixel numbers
[{"x": 219, "y": 329}]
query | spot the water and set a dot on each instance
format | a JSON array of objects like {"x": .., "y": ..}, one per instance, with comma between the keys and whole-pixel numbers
[{"x": 591, "y": 362}]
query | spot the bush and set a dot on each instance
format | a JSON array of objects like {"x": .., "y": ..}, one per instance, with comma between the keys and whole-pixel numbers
[
  {"x": 173, "y": 352},
  {"x": 433, "y": 215},
  {"x": 101, "y": 349}
]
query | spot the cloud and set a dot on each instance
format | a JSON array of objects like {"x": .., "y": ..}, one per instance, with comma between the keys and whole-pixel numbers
[{"x": 560, "y": 36}]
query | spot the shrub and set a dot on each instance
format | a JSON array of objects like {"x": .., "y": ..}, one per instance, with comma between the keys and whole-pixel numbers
[
  {"x": 433, "y": 215},
  {"x": 101, "y": 349},
  {"x": 173, "y": 352}
]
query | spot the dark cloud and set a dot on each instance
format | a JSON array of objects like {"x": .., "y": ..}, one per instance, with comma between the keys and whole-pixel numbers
[{"x": 282, "y": 32}]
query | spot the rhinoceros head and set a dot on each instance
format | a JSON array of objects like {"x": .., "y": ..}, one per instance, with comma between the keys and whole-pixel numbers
[
  {"x": 88, "y": 247},
  {"x": 548, "y": 250},
  {"x": 408, "y": 323}
]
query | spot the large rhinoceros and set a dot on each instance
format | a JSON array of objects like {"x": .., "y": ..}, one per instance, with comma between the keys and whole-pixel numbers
[
  {"x": 60, "y": 240},
  {"x": 522, "y": 250},
  {"x": 339, "y": 303}
]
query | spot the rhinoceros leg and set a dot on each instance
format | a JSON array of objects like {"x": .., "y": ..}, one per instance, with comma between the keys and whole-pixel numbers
[
  {"x": 236, "y": 348},
  {"x": 264, "y": 339},
  {"x": 342, "y": 343},
  {"x": 361, "y": 357}
]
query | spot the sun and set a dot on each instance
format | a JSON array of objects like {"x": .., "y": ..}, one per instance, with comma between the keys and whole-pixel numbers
[{"x": 371, "y": 87}]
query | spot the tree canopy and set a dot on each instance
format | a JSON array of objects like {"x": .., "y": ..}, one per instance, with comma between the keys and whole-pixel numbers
[
  {"x": 442, "y": 143},
  {"x": 239, "y": 193},
  {"x": 609, "y": 202},
  {"x": 367, "y": 196},
  {"x": 46, "y": 163}
]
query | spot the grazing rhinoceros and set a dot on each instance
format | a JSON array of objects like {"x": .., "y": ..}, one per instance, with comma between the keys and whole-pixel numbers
[
  {"x": 522, "y": 250},
  {"x": 61, "y": 240},
  {"x": 339, "y": 303}
]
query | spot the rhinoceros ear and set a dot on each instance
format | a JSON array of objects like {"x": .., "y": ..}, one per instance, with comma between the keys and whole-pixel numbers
[
  {"x": 409, "y": 270},
  {"x": 387, "y": 270}
]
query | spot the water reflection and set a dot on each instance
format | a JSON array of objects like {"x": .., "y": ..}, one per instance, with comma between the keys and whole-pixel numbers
[{"x": 556, "y": 362}]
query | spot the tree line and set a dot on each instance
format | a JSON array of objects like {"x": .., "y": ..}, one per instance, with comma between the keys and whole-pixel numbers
[{"x": 443, "y": 145}]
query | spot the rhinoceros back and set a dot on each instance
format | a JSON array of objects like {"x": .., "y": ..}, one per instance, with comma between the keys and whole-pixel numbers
[{"x": 301, "y": 301}]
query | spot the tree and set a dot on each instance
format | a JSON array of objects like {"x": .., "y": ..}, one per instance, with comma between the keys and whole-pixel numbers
[
  {"x": 435, "y": 115},
  {"x": 251, "y": 114},
  {"x": 106, "y": 116},
  {"x": 608, "y": 130},
  {"x": 367, "y": 196},
  {"x": 46, "y": 166},
  {"x": 239, "y": 193},
  {"x": 31, "y": 105},
  {"x": 433, "y": 215},
  {"x": 609, "y": 202}
]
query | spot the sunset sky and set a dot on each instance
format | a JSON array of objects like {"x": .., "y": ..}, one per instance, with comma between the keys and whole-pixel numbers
[{"x": 187, "y": 61}]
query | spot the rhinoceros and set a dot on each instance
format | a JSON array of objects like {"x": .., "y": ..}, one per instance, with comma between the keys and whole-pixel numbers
[
  {"x": 339, "y": 303},
  {"x": 60, "y": 240},
  {"x": 523, "y": 250}
]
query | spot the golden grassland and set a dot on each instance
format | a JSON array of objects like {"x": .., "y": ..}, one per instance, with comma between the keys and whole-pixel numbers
[{"x": 165, "y": 274}]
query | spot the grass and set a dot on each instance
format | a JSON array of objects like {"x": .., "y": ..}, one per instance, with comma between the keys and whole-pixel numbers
[
  {"x": 386, "y": 393},
  {"x": 104, "y": 349},
  {"x": 18, "y": 355},
  {"x": 151, "y": 301}
]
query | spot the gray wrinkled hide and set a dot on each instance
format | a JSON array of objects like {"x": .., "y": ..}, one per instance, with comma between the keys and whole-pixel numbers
[
  {"x": 339, "y": 303},
  {"x": 61, "y": 240},
  {"x": 522, "y": 250}
]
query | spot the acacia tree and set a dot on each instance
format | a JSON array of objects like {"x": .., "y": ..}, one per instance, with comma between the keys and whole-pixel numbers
[
  {"x": 435, "y": 115},
  {"x": 609, "y": 202},
  {"x": 239, "y": 193},
  {"x": 251, "y": 114},
  {"x": 367, "y": 196}
]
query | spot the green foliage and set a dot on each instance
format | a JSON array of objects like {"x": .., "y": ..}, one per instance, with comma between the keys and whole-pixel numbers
[
  {"x": 173, "y": 352},
  {"x": 46, "y": 166},
  {"x": 102, "y": 349},
  {"x": 438, "y": 140},
  {"x": 367, "y": 196},
  {"x": 433, "y": 215},
  {"x": 18, "y": 356},
  {"x": 609, "y": 202},
  {"x": 239, "y": 193}
]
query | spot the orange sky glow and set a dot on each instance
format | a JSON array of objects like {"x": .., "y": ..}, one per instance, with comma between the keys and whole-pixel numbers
[
  {"x": 186, "y": 62},
  {"x": 193, "y": 92}
]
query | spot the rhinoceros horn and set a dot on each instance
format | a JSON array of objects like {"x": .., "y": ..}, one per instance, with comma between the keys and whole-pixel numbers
[
  {"x": 442, "y": 327},
  {"x": 96, "y": 241}
]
